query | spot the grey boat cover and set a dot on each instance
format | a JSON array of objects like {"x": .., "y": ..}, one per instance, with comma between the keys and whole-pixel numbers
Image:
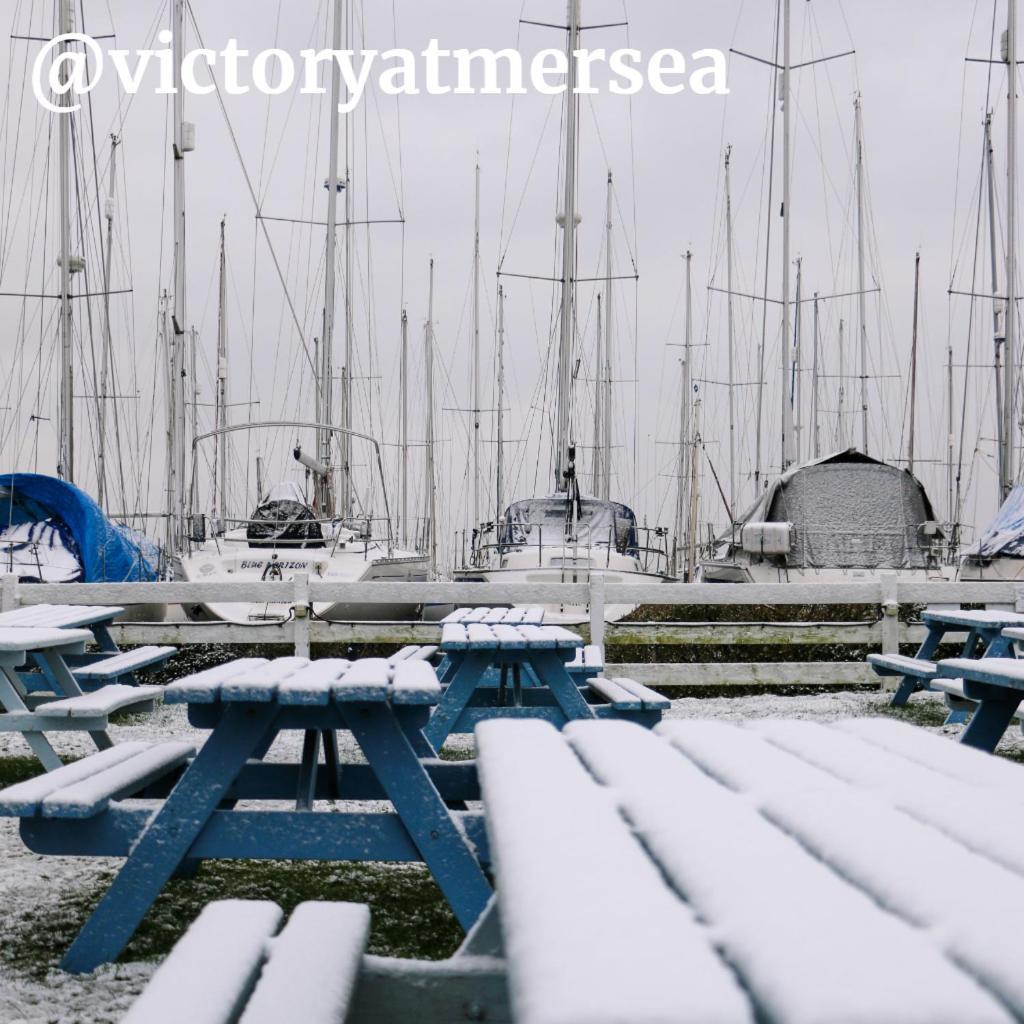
[
  {"x": 1005, "y": 534},
  {"x": 849, "y": 511}
]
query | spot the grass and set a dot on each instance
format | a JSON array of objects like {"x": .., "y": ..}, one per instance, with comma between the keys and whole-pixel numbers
[
  {"x": 410, "y": 916},
  {"x": 18, "y": 769}
]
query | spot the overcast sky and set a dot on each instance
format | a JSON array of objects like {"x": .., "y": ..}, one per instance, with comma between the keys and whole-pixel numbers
[{"x": 414, "y": 159}]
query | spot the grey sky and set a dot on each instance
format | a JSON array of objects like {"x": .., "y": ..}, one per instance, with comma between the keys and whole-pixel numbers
[{"x": 922, "y": 125}]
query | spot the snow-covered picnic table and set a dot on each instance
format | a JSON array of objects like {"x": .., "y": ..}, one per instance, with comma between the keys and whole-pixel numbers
[
  {"x": 67, "y": 708},
  {"x": 103, "y": 805},
  {"x": 526, "y": 671},
  {"x": 533, "y": 616},
  {"x": 700, "y": 872}
]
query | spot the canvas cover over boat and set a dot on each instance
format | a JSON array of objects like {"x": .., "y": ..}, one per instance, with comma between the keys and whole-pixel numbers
[
  {"x": 52, "y": 532},
  {"x": 849, "y": 510},
  {"x": 284, "y": 519},
  {"x": 1004, "y": 536},
  {"x": 597, "y": 522}
]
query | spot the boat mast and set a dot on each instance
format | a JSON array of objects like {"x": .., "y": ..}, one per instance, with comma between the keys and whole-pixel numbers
[
  {"x": 862, "y": 277},
  {"x": 683, "y": 472},
  {"x": 477, "y": 513},
  {"x": 731, "y": 321},
  {"x": 183, "y": 143},
  {"x": 798, "y": 356},
  {"x": 599, "y": 398},
  {"x": 788, "y": 438},
  {"x": 101, "y": 481},
  {"x": 346, "y": 502},
  {"x": 562, "y": 438},
  {"x": 500, "y": 475},
  {"x": 816, "y": 383},
  {"x": 431, "y": 488},
  {"x": 692, "y": 527},
  {"x": 404, "y": 430},
  {"x": 606, "y": 444},
  {"x": 66, "y": 454},
  {"x": 998, "y": 309},
  {"x": 1010, "y": 354},
  {"x": 913, "y": 365},
  {"x": 220, "y": 441},
  {"x": 841, "y": 406},
  {"x": 325, "y": 385}
]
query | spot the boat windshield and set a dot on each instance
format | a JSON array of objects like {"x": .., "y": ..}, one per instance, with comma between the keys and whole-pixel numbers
[{"x": 544, "y": 520}]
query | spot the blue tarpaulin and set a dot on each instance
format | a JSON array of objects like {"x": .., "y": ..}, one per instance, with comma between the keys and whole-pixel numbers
[
  {"x": 1005, "y": 534},
  {"x": 109, "y": 553}
]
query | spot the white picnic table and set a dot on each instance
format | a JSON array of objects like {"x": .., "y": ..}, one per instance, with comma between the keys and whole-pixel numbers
[
  {"x": 701, "y": 872},
  {"x": 72, "y": 710}
]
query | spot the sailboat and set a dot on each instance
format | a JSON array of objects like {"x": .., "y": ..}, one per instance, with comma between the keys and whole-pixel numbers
[
  {"x": 566, "y": 535},
  {"x": 319, "y": 528}
]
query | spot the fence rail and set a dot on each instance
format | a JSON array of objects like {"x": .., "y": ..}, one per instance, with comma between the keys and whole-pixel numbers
[{"x": 882, "y": 629}]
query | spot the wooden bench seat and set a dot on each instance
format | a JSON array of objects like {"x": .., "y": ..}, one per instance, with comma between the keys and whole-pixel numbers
[
  {"x": 85, "y": 788},
  {"x": 103, "y": 702},
  {"x": 124, "y": 664},
  {"x": 232, "y": 966},
  {"x": 414, "y": 652},
  {"x": 589, "y": 661},
  {"x": 901, "y": 665}
]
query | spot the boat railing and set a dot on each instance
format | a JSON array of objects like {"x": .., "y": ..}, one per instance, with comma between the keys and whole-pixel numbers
[{"x": 575, "y": 544}]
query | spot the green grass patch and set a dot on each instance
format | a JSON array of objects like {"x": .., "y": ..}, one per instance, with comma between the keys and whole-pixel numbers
[
  {"x": 18, "y": 769},
  {"x": 922, "y": 712},
  {"x": 410, "y": 916}
]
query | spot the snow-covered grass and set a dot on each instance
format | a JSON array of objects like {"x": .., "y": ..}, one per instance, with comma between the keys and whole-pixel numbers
[{"x": 46, "y": 899}]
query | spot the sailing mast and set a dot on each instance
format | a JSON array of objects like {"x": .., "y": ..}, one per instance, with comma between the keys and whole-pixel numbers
[
  {"x": 101, "y": 481},
  {"x": 732, "y": 329},
  {"x": 568, "y": 220},
  {"x": 788, "y": 438},
  {"x": 477, "y": 513},
  {"x": 184, "y": 142},
  {"x": 1009, "y": 453},
  {"x": 816, "y": 383},
  {"x": 404, "y": 429},
  {"x": 431, "y": 483},
  {"x": 683, "y": 471},
  {"x": 599, "y": 397},
  {"x": 220, "y": 441},
  {"x": 346, "y": 502},
  {"x": 913, "y": 365},
  {"x": 500, "y": 475},
  {"x": 798, "y": 355},
  {"x": 862, "y": 277},
  {"x": 841, "y": 408},
  {"x": 604, "y": 493},
  {"x": 66, "y": 455},
  {"x": 998, "y": 310}
]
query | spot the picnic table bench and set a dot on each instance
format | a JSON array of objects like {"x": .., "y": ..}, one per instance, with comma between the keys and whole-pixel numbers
[
  {"x": 505, "y": 671},
  {"x": 103, "y": 805},
  {"x": 757, "y": 873},
  {"x": 108, "y": 664},
  {"x": 71, "y": 710}
]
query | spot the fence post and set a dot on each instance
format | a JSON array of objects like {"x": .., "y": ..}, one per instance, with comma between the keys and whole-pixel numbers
[
  {"x": 8, "y": 592},
  {"x": 301, "y": 610},
  {"x": 597, "y": 608},
  {"x": 890, "y": 618}
]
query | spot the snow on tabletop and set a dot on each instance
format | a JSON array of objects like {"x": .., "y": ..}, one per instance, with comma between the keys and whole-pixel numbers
[
  {"x": 58, "y": 615},
  {"x": 311, "y": 685},
  {"x": 592, "y": 932},
  {"x": 312, "y": 967},
  {"x": 23, "y": 799},
  {"x": 204, "y": 687},
  {"x": 980, "y": 616},
  {"x": 454, "y": 637},
  {"x": 907, "y": 867},
  {"x": 205, "y": 976},
  {"x": 260, "y": 684},
  {"x": 415, "y": 682},
  {"x": 100, "y": 702},
  {"x": 987, "y": 668},
  {"x": 31, "y": 638},
  {"x": 91, "y": 796},
  {"x": 480, "y": 637},
  {"x": 366, "y": 679},
  {"x": 953, "y": 759},
  {"x": 975, "y": 816},
  {"x": 807, "y": 945}
]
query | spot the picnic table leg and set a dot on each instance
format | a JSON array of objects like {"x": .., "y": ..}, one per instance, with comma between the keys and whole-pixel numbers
[
  {"x": 456, "y": 697},
  {"x": 69, "y": 685},
  {"x": 11, "y": 700},
  {"x": 442, "y": 846},
  {"x": 551, "y": 671},
  {"x": 908, "y": 684},
  {"x": 332, "y": 762},
  {"x": 168, "y": 838},
  {"x": 990, "y": 722},
  {"x": 308, "y": 768}
]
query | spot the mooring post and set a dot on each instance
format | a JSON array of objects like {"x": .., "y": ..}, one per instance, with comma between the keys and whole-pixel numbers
[
  {"x": 890, "y": 619},
  {"x": 597, "y": 608},
  {"x": 301, "y": 609},
  {"x": 8, "y": 592}
]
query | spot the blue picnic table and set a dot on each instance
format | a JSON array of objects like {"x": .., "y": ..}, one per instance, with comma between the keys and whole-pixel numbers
[
  {"x": 532, "y": 672},
  {"x": 91, "y": 808}
]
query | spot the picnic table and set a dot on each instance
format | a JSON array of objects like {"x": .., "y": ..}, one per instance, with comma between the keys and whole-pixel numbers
[
  {"x": 496, "y": 616},
  {"x": 70, "y": 710},
  {"x": 707, "y": 873},
  {"x": 102, "y": 806},
  {"x": 550, "y": 673},
  {"x": 985, "y": 638},
  {"x": 107, "y": 664}
]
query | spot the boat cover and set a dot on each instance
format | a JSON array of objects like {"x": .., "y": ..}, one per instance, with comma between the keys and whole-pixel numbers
[
  {"x": 1005, "y": 534},
  {"x": 46, "y": 523},
  {"x": 284, "y": 519}
]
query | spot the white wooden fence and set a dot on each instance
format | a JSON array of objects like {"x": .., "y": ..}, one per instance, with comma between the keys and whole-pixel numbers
[{"x": 885, "y": 631}]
